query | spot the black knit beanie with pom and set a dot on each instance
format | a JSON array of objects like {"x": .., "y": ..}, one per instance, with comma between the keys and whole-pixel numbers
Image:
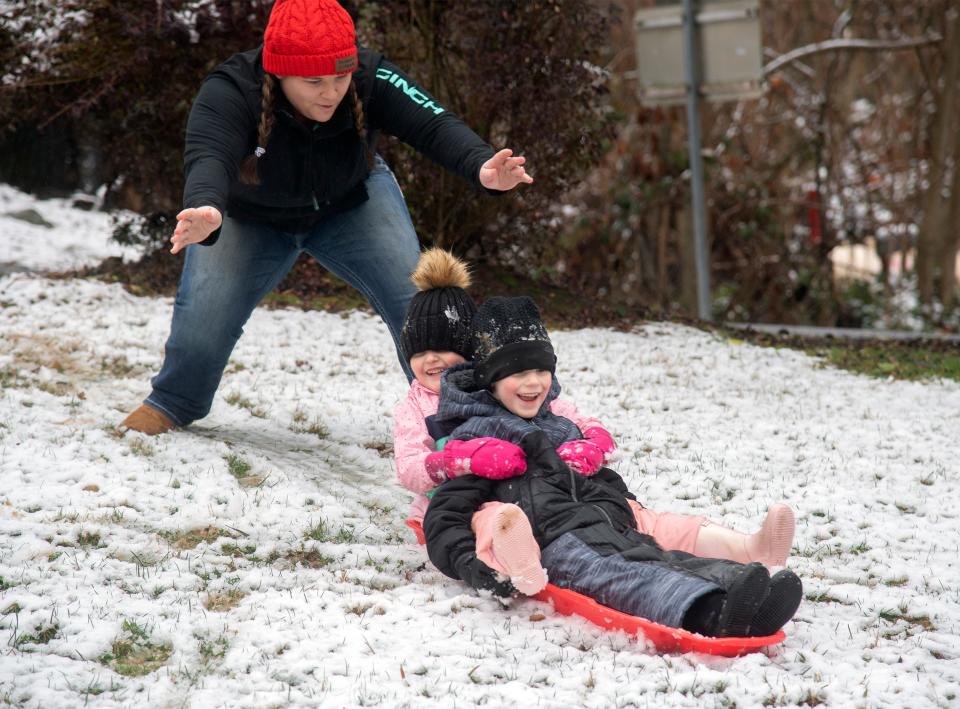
[{"x": 439, "y": 315}]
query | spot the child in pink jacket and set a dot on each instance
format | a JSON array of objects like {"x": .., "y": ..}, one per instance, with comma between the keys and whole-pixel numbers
[{"x": 435, "y": 337}]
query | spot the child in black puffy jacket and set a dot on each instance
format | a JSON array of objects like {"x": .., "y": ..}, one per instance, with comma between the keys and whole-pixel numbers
[{"x": 583, "y": 524}]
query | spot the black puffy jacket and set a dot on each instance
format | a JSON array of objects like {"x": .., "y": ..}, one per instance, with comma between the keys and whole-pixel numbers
[
  {"x": 310, "y": 170},
  {"x": 555, "y": 499}
]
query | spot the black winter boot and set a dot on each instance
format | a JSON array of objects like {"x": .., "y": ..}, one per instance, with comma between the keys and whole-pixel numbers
[
  {"x": 781, "y": 603},
  {"x": 701, "y": 617},
  {"x": 744, "y": 597}
]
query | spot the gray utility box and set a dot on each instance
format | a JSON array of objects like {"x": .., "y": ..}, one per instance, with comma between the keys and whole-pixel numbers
[{"x": 731, "y": 62}]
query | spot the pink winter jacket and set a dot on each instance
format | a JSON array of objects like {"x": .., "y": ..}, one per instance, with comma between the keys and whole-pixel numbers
[{"x": 412, "y": 444}]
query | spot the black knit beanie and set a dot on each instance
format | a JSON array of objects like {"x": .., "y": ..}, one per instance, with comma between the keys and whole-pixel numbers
[
  {"x": 509, "y": 337},
  {"x": 438, "y": 316}
]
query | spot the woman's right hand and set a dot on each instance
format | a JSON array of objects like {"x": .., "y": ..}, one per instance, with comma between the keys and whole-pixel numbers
[{"x": 193, "y": 226}]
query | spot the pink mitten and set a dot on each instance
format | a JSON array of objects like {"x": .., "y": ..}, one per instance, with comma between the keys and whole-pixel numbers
[
  {"x": 487, "y": 457},
  {"x": 584, "y": 456},
  {"x": 600, "y": 436}
]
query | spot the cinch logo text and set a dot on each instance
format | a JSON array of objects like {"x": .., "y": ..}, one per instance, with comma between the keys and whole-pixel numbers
[{"x": 415, "y": 94}]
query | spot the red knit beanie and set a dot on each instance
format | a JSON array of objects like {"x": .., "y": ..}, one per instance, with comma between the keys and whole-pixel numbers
[{"x": 309, "y": 38}]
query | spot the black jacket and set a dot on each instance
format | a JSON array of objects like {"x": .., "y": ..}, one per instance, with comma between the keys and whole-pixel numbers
[
  {"x": 555, "y": 499},
  {"x": 310, "y": 171}
]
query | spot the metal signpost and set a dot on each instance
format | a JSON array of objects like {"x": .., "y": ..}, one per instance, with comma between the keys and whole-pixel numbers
[{"x": 688, "y": 49}]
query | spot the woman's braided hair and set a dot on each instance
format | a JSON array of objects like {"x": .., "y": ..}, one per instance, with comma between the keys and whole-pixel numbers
[
  {"x": 248, "y": 169},
  {"x": 358, "y": 121}
]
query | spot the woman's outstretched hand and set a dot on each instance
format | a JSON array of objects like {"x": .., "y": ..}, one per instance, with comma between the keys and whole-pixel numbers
[
  {"x": 193, "y": 226},
  {"x": 503, "y": 172}
]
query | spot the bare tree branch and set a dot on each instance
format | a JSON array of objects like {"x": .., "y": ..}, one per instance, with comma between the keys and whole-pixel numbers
[{"x": 830, "y": 45}]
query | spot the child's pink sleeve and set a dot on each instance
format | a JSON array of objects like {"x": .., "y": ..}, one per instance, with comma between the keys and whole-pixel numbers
[
  {"x": 562, "y": 407},
  {"x": 412, "y": 444}
]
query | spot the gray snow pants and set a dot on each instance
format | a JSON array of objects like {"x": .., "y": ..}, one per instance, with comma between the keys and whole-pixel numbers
[{"x": 655, "y": 590}]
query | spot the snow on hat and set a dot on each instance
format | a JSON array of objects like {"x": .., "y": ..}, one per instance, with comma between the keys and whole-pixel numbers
[
  {"x": 508, "y": 337},
  {"x": 309, "y": 38},
  {"x": 438, "y": 317}
]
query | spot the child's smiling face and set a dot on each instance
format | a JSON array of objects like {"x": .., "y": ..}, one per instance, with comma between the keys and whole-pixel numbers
[
  {"x": 428, "y": 366},
  {"x": 523, "y": 393}
]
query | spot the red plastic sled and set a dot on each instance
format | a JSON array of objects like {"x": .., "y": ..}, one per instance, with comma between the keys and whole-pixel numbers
[{"x": 664, "y": 638}]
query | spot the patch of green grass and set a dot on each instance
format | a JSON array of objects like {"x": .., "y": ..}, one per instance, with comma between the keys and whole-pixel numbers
[
  {"x": 897, "y": 581},
  {"x": 813, "y": 698},
  {"x": 332, "y": 303},
  {"x": 238, "y": 466},
  {"x": 818, "y": 551},
  {"x": 12, "y": 379},
  {"x": 892, "y": 616},
  {"x": 345, "y": 535},
  {"x": 41, "y": 635},
  {"x": 134, "y": 653},
  {"x": 316, "y": 426},
  {"x": 211, "y": 650},
  {"x": 318, "y": 532},
  {"x": 916, "y": 362},
  {"x": 378, "y": 508},
  {"x": 239, "y": 400},
  {"x": 860, "y": 548},
  {"x": 378, "y": 565},
  {"x": 88, "y": 539},
  {"x": 139, "y": 446},
  {"x": 4, "y": 584},
  {"x": 913, "y": 360},
  {"x": 312, "y": 559},
  {"x": 230, "y": 549},
  {"x": 190, "y": 538},
  {"x": 824, "y": 597}
]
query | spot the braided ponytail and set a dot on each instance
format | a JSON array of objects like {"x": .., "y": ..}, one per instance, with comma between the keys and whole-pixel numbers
[
  {"x": 358, "y": 121},
  {"x": 248, "y": 170}
]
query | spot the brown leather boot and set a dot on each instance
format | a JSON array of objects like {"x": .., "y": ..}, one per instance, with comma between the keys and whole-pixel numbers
[{"x": 147, "y": 420}]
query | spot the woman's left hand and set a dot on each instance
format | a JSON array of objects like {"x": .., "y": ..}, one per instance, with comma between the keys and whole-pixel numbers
[{"x": 504, "y": 172}]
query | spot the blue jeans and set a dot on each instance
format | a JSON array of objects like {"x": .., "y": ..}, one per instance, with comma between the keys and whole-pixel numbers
[{"x": 373, "y": 247}]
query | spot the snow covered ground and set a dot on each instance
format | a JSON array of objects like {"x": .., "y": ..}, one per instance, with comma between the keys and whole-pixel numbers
[
  {"x": 259, "y": 558},
  {"x": 52, "y": 234}
]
